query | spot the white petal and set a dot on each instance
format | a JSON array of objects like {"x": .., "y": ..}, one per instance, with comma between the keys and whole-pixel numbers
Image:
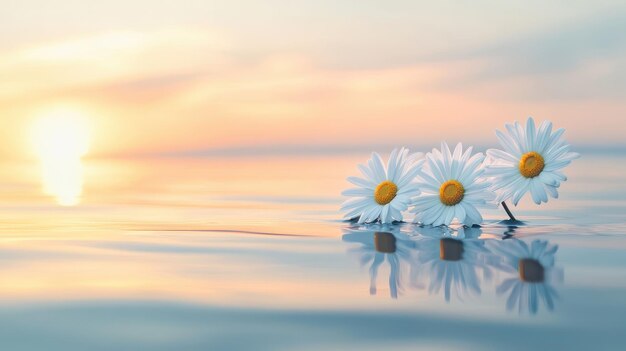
[
  {"x": 447, "y": 157},
  {"x": 396, "y": 215},
  {"x": 411, "y": 174},
  {"x": 472, "y": 215},
  {"x": 502, "y": 156},
  {"x": 376, "y": 165},
  {"x": 449, "y": 215},
  {"x": 521, "y": 190},
  {"x": 530, "y": 134},
  {"x": 374, "y": 215},
  {"x": 409, "y": 190},
  {"x": 548, "y": 178},
  {"x": 431, "y": 215},
  {"x": 552, "y": 191},
  {"x": 355, "y": 202},
  {"x": 508, "y": 143},
  {"x": 368, "y": 173},
  {"x": 362, "y": 182},
  {"x": 435, "y": 168},
  {"x": 355, "y": 212},
  {"x": 392, "y": 164},
  {"x": 537, "y": 191},
  {"x": 460, "y": 213},
  {"x": 556, "y": 165},
  {"x": 423, "y": 203},
  {"x": 384, "y": 216},
  {"x": 357, "y": 192},
  {"x": 522, "y": 137},
  {"x": 543, "y": 136}
]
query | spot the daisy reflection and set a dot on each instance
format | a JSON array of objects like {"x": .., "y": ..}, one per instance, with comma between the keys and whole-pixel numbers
[
  {"x": 377, "y": 244},
  {"x": 533, "y": 274},
  {"x": 451, "y": 259}
]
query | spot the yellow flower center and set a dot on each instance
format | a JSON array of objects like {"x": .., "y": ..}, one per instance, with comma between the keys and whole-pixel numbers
[
  {"x": 385, "y": 192},
  {"x": 531, "y": 164},
  {"x": 451, "y": 192}
]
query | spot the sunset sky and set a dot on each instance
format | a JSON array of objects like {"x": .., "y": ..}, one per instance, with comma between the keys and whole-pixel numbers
[{"x": 176, "y": 77}]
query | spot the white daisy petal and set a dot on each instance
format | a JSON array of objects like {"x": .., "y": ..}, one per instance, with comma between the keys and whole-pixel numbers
[
  {"x": 411, "y": 174},
  {"x": 544, "y": 135},
  {"x": 460, "y": 213},
  {"x": 392, "y": 164},
  {"x": 548, "y": 179},
  {"x": 537, "y": 191},
  {"x": 521, "y": 133},
  {"x": 521, "y": 190},
  {"x": 502, "y": 155},
  {"x": 556, "y": 165},
  {"x": 362, "y": 182},
  {"x": 508, "y": 143},
  {"x": 384, "y": 216},
  {"x": 559, "y": 175},
  {"x": 354, "y": 202},
  {"x": 449, "y": 215},
  {"x": 367, "y": 172},
  {"x": 357, "y": 192},
  {"x": 472, "y": 215},
  {"x": 374, "y": 214},
  {"x": 447, "y": 157},
  {"x": 467, "y": 154},
  {"x": 354, "y": 213},
  {"x": 530, "y": 133},
  {"x": 551, "y": 190},
  {"x": 436, "y": 169},
  {"x": 396, "y": 215},
  {"x": 376, "y": 164}
]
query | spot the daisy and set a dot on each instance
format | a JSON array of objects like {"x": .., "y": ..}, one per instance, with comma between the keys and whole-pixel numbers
[
  {"x": 533, "y": 273},
  {"x": 377, "y": 244},
  {"x": 384, "y": 192},
  {"x": 532, "y": 160},
  {"x": 452, "y": 187}
]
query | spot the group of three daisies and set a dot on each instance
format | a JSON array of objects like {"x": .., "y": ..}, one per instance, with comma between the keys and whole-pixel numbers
[{"x": 449, "y": 184}]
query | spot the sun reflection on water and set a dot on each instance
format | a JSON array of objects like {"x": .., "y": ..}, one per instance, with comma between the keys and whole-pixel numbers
[{"x": 61, "y": 139}]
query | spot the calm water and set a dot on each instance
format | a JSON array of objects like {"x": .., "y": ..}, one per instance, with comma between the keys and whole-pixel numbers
[{"x": 248, "y": 253}]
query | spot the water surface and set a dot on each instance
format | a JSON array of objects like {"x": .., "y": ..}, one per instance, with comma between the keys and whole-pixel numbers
[{"x": 250, "y": 253}]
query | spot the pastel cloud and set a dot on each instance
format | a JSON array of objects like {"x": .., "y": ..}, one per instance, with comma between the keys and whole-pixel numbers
[{"x": 169, "y": 90}]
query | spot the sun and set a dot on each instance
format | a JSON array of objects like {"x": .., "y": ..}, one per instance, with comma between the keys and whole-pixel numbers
[
  {"x": 61, "y": 134},
  {"x": 61, "y": 138}
]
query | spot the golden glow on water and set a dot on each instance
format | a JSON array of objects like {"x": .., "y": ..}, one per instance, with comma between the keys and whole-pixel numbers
[
  {"x": 63, "y": 179},
  {"x": 61, "y": 139}
]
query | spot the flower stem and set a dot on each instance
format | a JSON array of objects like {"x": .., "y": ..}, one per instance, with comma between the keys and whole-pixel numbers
[{"x": 506, "y": 208}]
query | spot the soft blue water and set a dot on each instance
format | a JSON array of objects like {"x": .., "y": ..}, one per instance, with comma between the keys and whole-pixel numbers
[{"x": 174, "y": 266}]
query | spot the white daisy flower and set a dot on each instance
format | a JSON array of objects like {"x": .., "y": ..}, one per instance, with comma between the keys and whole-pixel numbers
[
  {"x": 452, "y": 187},
  {"x": 533, "y": 270},
  {"x": 531, "y": 161},
  {"x": 384, "y": 192}
]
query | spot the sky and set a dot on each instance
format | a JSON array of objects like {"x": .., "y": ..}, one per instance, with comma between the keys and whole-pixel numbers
[{"x": 194, "y": 77}]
